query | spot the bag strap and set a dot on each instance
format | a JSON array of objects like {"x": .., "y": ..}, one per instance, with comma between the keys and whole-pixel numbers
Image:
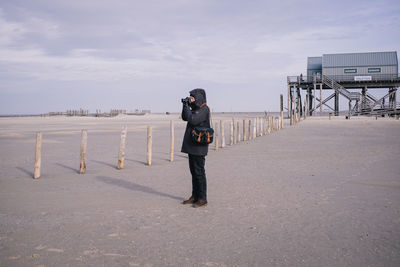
[{"x": 209, "y": 112}]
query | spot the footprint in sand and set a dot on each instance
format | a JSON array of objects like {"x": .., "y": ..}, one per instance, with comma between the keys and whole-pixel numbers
[
  {"x": 14, "y": 257},
  {"x": 113, "y": 235},
  {"x": 55, "y": 250},
  {"x": 40, "y": 247}
]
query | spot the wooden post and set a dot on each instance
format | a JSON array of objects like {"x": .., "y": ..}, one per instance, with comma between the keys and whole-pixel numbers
[
  {"x": 172, "y": 135},
  {"x": 238, "y": 132},
  {"x": 255, "y": 130},
  {"x": 216, "y": 136},
  {"x": 291, "y": 110},
  {"x": 244, "y": 130},
  {"x": 266, "y": 125},
  {"x": 38, "y": 156},
  {"x": 121, "y": 157},
  {"x": 281, "y": 102},
  {"x": 261, "y": 126},
  {"x": 320, "y": 99},
  {"x": 279, "y": 123},
  {"x": 298, "y": 111},
  {"x": 234, "y": 130},
  {"x": 294, "y": 104},
  {"x": 149, "y": 144},
  {"x": 315, "y": 97},
  {"x": 249, "y": 130},
  {"x": 231, "y": 134},
  {"x": 281, "y": 109},
  {"x": 222, "y": 133},
  {"x": 256, "y": 127},
  {"x": 83, "y": 151},
  {"x": 349, "y": 109},
  {"x": 330, "y": 114},
  {"x": 289, "y": 106},
  {"x": 270, "y": 123}
]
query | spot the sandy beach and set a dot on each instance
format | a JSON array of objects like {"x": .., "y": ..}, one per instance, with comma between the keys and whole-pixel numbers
[{"x": 319, "y": 193}]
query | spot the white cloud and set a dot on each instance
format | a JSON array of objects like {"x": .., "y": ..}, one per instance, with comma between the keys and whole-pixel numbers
[{"x": 10, "y": 32}]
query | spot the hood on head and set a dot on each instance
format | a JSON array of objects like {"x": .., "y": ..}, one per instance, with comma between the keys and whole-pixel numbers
[{"x": 199, "y": 96}]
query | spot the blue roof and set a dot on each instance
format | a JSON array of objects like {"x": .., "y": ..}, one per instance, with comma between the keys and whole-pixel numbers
[
  {"x": 314, "y": 63},
  {"x": 360, "y": 59}
]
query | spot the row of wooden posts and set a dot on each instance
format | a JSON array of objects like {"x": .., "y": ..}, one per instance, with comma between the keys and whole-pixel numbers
[{"x": 251, "y": 128}]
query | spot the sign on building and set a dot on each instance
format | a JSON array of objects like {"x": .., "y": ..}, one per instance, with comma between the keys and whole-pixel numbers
[{"x": 363, "y": 78}]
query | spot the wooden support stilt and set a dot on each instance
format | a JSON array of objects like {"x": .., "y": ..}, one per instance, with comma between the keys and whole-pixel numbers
[
  {"x": 255, "y": 128},
  {"x": 270, "y": 124},
  {"x": 281, "y": 110},
  {"x": 38, "y": 156},
  {"x": 289, "y": 103},
  {"x": 238, "y": 132},
  {"x": 121, "y": 155},
  {"x": 222, "y": 133},
  {"x": 320, "y": 99},
  {"x": 83, "y": 151},
  {"x": 231, "y": 134},
  {"x": 298, "y": 110},
  {"x": 349, "y": 109},
  {"x": 234, "y": 131},
  {"x": 315, "y": 97},
  {"x": 149, "y": 145},
  {"x": 244, "y": 130},
  {"x": 254, "y": 131},
  {"x": 172, "y": 145},
  {"x": 216, "y": 136},
  {"x": 249, "y": 130}
]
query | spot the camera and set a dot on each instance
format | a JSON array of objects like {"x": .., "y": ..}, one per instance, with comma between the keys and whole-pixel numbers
[{"x": 186, "y": 100}]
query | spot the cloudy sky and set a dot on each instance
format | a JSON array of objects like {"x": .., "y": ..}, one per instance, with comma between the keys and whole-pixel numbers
[{"x": 102, "y": 54}]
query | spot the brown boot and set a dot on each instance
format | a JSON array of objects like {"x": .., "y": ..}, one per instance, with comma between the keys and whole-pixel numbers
[
  {"x": 199, "y": 203},
  {"x": 191, "y": 200}
]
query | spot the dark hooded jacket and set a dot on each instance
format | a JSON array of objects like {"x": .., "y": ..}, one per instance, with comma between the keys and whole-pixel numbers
[{"x": 196, "y": 115}]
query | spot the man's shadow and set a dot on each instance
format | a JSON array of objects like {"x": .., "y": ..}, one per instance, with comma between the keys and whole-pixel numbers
[{"x": 135, "y": 187}]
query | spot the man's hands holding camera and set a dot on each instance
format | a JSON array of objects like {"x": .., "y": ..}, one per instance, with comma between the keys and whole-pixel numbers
[{"x": 188, "y": 100}]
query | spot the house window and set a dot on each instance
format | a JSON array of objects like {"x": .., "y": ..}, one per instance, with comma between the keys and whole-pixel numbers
[
  {"x": 350, "y": 70},
  {"x": 374, "y": 70}
]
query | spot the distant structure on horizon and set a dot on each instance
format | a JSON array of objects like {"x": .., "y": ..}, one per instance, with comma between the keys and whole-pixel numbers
[{"x": 340, "y": 72}]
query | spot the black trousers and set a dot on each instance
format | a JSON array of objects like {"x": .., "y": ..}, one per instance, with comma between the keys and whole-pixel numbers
[{"x": 199, "y": 181}]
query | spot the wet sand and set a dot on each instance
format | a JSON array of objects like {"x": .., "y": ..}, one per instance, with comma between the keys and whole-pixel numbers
[{"x": 320, "y": 193}]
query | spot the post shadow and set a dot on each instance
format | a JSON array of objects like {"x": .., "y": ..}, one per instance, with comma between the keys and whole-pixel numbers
[
  {"x": 29, "y": 173},
  {"x": 135, "y": 187},
  {"x": 68, "y": 167},
  {"x": 105, "y": 163}
]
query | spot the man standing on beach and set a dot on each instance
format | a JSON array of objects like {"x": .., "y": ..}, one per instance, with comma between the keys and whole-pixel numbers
[{"x": 197, "y": 114}]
